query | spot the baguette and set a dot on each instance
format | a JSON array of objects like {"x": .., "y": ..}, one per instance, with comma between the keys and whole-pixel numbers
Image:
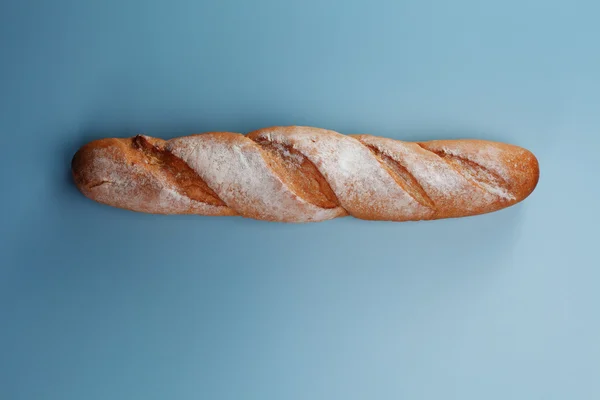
[{"x": 304, "y": 174}]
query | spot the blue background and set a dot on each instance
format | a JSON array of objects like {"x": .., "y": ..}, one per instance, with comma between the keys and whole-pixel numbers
[{"x": 101, "y": 303}]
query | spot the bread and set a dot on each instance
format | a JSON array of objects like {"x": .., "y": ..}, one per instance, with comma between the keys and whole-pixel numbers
[{"x": 304, "y": 174}]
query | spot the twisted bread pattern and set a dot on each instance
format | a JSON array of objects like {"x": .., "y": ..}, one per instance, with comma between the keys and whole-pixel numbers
[{"x": 304, "y": 174}]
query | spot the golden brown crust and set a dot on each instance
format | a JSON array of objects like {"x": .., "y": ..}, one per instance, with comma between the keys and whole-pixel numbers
[
  {"x": 137, "y": 174},
  {"x": 520, "y": 165},
  {"x": 303, "y": 174},
  {"x": 175, "y": 171},
  {"x": 299, "y": 174}
]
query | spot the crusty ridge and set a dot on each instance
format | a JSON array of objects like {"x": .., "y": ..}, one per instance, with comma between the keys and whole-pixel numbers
[{"x": 303, "y": 174}]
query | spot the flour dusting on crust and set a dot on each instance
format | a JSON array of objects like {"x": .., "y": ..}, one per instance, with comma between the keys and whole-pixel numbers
[
  {"x": 361, "y": 184},
  {"x": 233, "y": 166},
  {"x": 134, "y": 187}
]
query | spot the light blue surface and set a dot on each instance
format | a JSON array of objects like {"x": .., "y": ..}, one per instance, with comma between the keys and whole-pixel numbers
[{"x": 100, "y": 303}]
